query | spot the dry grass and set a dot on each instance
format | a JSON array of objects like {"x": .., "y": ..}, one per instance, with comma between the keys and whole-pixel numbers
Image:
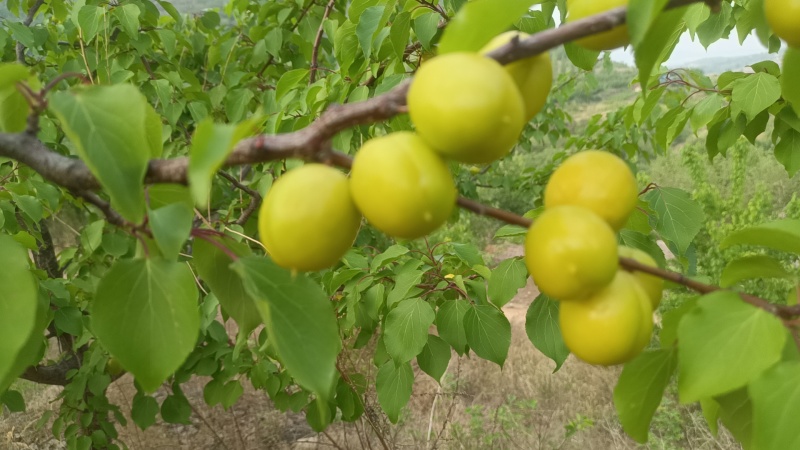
[{"x": 479, "y": 405}]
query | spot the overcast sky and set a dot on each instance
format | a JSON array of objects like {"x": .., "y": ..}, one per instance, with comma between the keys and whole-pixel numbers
[{"x": 689, "y": 51}]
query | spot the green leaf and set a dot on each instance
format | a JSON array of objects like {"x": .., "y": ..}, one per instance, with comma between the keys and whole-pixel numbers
[
  {"x": 145, "y": 314},
  {"x": 717, "y": 349},
  {"x": 782, "y": 235},
  {"x": 750, "y": 267},
  {"x": 507, "y": 278},
  {"x": 581, "y": 57},
  {"x": 640, "y": 16},
  {"x": 89, "y": 19},
  {"x": 435, "y": 357},
  {"x": 705, "y": 110},
  {"x": 213, "y": 267},
  {"x": 426, "y": 26},
  {"x": 391, "y": 254},
  {"x": 176, "y": 409},
  {"x": 478, "y": 21},
  {"x": 107, "y": 124},
  {"x": 399, "y": 33},
  {"x": 300, "y": 321},
  {"x": 450, "y": 324},
  {"x": 219, "y": 392},
  {"x": 657, "y": 45},
  {"x": 790, "y": 88},
  {"x": 640, "y": 388},
  {"x": 407, "y": 277},
  {"x": 488, "y": 332},
  {"x": 171, "y": 225},
  {"x": 393, "y": 383},
  {"x": 143, "y": 410},
  {"x": 367, "y": 25},
  {"x": 787, "y": 151},
  {"x": 349, "y": 402},
  {"x": 776, "y": 405},
  {"x": 755, "y": 93},
  {"x": 405, "y": 330},
  {"x": 128, "y": 16},
  {"x": 14, "y": 109},
  {"x": 679, "y": 218},
  {"x": 13, "y": 401},
  {"x": 211, "y": 145},
  {"x": 289, "y": 81},
  {"x": 543, "y": 330},
  {"x": 18, "y": 308},
  {"x": 736, "y": 413}
]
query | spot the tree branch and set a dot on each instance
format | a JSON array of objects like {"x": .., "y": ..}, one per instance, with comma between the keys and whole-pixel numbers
[
  {"x": 317, "y": 42},
  {"x": 27, "y": 22},
  {"x": 54, "y": 374},
  {"x": 255, "y": 197}
]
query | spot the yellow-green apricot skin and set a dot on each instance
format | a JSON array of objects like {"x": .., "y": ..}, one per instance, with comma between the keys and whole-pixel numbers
[
  {"x": 402, "y": 186},
  {"x": 308, "y": 220},
  {"x": 783, "y": 17},
  {"x": 607, "y": 40},
  {"x": 533, "y": 76},
  {"x": 596, "y": 180},
  {"x": 611, "y": 326},
  {"x": 570, "y": 252},
  {"x": 652, "y": 285},
  {"x": 466, "y": 107}
]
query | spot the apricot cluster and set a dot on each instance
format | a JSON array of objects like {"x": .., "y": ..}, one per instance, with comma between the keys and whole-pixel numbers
[
  {"x": 572, "y": 254},
  {"x": 465, "y": 108}
]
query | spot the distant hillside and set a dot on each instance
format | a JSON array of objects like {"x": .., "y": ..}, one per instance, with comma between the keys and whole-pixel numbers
[{"x": 728, "y": 64}]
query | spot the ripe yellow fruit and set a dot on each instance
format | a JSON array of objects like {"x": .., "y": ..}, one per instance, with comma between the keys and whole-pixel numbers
[
  {"x": 308, "y": 220},
  {"x": 783, "y": 16},
  {"x": 596, "y": 180},
  {"x": 533, "y": 76},
  {"x": 466, "y": 107},
  {"x": 608, "y": 40},
  {"x": 402, "y": 186},
  {"x": 571, "y": 252},
  {"x": 652, "y": 285},
  {"x": 611, "y": 326}
]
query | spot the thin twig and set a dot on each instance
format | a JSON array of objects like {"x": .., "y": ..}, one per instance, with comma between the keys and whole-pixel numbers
[
  {"x": 255, "y": 197},
  {"x": 317, "y": 42},
  {"x": 27, "y": 22}
]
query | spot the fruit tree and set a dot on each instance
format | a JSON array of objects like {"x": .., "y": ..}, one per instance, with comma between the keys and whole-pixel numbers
[{"x": 293, "y": 166}]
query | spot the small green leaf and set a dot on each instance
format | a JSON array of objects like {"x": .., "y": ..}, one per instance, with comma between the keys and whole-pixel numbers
[
  {"x": 717, "y": 352},
  {"x": 213, "y": 267},
  {"x": 128, "y": 16},
  {"x": 507, "y": 278},
  {"x": 176, "y": 409},
  {"x": 640, "y": 16},
  {"x": 478, "y": 21},
  {"x": 657, "y": 45},
  {"x": 435, "y": 357},
  {"x": 790, "y": 88},
  {"x": 89, "y": 19},
  {"x": 367, "y": 25},
  {"x": 787, "y": 151},
  {"x": 393, "y": 383},
  {"x": 543, "y": 330},
  {"x": 13, "y": 400},
  {"x": 640, "y": 388},
  {"x": 782, "y": 235},
  {"x": 581, "y": 57},
  {"x": 405, "y": 330},
  {"x": 14, "y": 109},
  {"x": 407, "y": 277},
  {"x": 211, "y": 145},
  {"x": 426, "y": 27},
  {"x": 18, "y": 308},
  {"x": 289, "y": 81},
  {"x": 145, "y": 313},
  {"x": 679, "y": 218},
  {"x": 488, "y": 333},
  {"x": 450, "y": 324},
  {"x": 171, "y": 225},
  {"x": 755, "y": 93},
  {"x": 143, "y": 410},
  {"x": 391, "y": 254},
  {"x": 750, "y": 267},
  {"x": 107, "y": 124},
  {"x": 736, "y": 413},
  {"x": 776, "y": 405},
  {"x": 300, "y": 321}
]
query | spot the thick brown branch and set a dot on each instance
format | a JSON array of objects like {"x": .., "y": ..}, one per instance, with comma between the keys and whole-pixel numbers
[{"x": 54, "y": 374}]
